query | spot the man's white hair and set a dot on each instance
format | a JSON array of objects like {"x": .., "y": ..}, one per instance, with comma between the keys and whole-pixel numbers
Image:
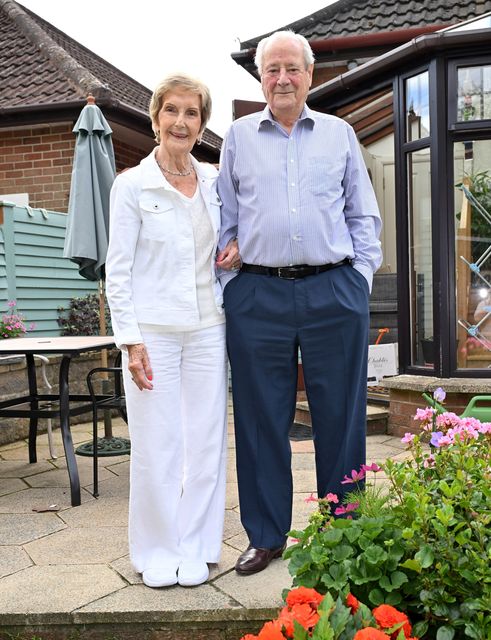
[{"x": 283, "y": 35}]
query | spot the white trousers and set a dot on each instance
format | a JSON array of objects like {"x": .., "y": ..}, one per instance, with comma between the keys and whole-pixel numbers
[{"x": 178, "y": 449}]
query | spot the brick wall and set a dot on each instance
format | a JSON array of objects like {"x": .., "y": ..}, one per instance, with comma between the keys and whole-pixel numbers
[
  {"x": 127, "y": 156},
  {"x": 38, "y": 161}
]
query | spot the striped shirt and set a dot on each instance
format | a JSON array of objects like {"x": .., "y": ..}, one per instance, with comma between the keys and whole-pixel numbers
[{"x": 298, "y": 198}]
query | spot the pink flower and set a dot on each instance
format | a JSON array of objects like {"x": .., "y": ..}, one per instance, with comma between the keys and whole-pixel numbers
[
  {"x": 408, "y": 438},
  {"x": 331, "y": 497},
  {"x": 371, "y": 467},
  {"x": 311, "y": 498},
  {"x": 429, "y": 461},
  {"x": 356, "y": 476},
  {"x": 352, "y": 506},
  {"x": 425, "y": 415},
  {"x": 11, "y": 303}
]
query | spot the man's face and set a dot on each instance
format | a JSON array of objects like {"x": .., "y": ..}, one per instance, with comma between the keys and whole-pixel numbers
[{"x": 285, "y": 80}]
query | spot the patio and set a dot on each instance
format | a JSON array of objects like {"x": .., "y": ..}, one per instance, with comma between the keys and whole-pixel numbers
[{"x": 64, "y": 571}]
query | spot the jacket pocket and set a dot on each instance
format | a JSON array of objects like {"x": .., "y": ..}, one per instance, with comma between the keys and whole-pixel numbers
[{"x": 158, "y": 219}]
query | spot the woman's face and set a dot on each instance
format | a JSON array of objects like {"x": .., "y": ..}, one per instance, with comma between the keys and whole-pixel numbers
[{"x": 179, "y": 121}]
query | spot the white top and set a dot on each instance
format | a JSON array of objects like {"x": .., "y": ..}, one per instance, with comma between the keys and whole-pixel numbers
[
  {"x": 193, "y": 210},
  {"x": 150, "y": 265}
]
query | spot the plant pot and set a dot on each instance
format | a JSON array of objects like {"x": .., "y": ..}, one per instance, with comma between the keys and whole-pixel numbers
[{"x": 428, "y": 350}]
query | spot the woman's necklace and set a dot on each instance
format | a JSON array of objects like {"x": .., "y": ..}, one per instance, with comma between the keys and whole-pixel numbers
[{"x": 173, "y": 173}]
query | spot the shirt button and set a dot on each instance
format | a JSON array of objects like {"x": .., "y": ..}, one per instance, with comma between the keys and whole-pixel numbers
[
  {"x": 292, "y": 184},
  {"x": 292, "y": 160},
  {"x": 296, "y": 237},
  {"x": 294, "y": 210}
]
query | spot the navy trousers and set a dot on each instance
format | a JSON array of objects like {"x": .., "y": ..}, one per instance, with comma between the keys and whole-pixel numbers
[{"x": 268, "y": 320}]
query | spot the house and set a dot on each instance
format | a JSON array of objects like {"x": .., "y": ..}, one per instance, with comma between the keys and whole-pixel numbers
[
  {"x": 414, "y": 80},
  {"x": 46, "y": 77}
]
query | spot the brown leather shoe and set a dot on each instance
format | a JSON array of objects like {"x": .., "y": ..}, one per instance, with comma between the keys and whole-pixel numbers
[{"x": 253, "y": 560}]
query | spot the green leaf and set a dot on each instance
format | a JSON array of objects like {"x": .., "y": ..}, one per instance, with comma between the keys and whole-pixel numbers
[
  {"x": 445, "y": 633},
  {"x": 375, "y": 554},
  {"x": 322, "y": 630},
  {"x": 398, "y": 579},
  {"x": 299, "y": 633},
  {"x": 332, "y": 537},
  {"x": 342, "y": 552},
  {"x": 393, "y": 598},
  {"x": 414, "y": 565},
  {"x": 420, "y": 628},
  {"x": 376, "y": 596},
  {"x": 425, "y": 556}
]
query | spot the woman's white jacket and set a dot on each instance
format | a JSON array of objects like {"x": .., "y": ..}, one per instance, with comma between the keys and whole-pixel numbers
[{"x": 150, "y": 266}]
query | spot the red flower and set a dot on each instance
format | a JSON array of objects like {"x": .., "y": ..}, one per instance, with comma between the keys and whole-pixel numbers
[
  {"x": 303, "y": 595},
  {"x": 352, "y": 603},
  {"x": 271, "y": 631},
  {"x": 386, "y": 617},
  {"x": 369, "y": 633},
  {"x": 286, "y": 620},
  {"x": 249, "y": 636}
]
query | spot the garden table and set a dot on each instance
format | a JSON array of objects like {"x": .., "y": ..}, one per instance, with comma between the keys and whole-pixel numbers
[{"x": 62, "y": 404}]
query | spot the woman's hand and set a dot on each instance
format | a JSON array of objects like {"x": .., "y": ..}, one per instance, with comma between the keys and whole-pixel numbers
[
  {"x": 139, "y": 366},
  {"x": 229, "y": 258}
]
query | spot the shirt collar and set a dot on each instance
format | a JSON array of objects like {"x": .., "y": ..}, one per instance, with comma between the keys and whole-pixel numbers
[{"x": 266, "y": 116}]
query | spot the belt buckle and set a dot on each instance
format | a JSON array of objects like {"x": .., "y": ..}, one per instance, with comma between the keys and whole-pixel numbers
[{"x": 286, "y": 277}]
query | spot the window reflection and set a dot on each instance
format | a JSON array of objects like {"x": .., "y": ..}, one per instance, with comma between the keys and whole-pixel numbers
[
  {"x": 417, "y": 107},
  {"x": 473, "y": 253},
  {"x": 474, "y": 93},
  {"x": 420, "y": 258}
]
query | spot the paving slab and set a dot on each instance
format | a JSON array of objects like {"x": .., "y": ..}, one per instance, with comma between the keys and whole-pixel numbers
[
  {"x": 54, "y": 590},
  {"x": 169, "y": 603},
  {"x": 260, "y": 590},
  {"x": 20, "y": 529},
  {"x": 13, "y": 559},
  {"x": 80, "y": 546},
  {"x": 28, "y": 499}
]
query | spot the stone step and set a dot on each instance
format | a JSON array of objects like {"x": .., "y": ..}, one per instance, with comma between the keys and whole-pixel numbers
[{"x": 377, "y": 417}]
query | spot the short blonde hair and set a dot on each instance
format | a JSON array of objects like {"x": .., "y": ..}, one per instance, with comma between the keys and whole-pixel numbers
[
  {"x": 287, "y": 34},
  {"x": 186, "y": 83}
]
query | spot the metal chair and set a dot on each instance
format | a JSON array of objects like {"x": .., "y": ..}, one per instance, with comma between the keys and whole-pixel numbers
[
  {"x": 106, "y": 402},
  {"x": 44, "y": 361}
]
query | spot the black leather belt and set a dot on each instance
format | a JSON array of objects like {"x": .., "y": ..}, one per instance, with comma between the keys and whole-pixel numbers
[{"x": 293, "y": 272}]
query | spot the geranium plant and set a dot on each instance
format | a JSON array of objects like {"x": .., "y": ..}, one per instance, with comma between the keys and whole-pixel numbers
[
  {"x": 12, "y": 323},
  {"x": 424, "y": 545},
  {"x": 309, "y": 614}
]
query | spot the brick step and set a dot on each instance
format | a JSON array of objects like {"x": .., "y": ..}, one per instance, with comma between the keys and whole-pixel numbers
[{"x": 377, "y": 417}]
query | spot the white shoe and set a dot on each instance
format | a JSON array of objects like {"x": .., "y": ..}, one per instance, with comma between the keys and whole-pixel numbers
[
  {"x": 162, "y": 577},
  {"x": 192, "y": 573}
]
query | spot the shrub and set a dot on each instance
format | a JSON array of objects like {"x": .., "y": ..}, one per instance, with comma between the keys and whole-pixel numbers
[
  {"x": 82, "y": 317},
  {"x": 428, "y": 549}
]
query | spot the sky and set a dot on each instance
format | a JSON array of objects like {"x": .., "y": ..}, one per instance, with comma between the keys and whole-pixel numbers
[{"x": 147, "y": 39}]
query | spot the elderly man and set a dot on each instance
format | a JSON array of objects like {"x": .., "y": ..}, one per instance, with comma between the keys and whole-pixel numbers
[{"x": 296, "y": 194}]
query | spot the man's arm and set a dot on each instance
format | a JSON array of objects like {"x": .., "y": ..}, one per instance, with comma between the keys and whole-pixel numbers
[
  {"x": 227, "y": 190},
  {"x": 361, "y": 212}
]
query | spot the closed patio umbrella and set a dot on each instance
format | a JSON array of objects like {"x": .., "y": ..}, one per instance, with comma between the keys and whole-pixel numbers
[
  {"x": 93, "y": 174},
  {"x": 87, "y": 233}
]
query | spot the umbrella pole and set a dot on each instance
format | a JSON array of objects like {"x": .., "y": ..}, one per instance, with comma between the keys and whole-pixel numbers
[{"x": 108, "y": 427}]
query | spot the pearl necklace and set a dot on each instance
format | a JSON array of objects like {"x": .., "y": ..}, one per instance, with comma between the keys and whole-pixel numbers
[{"x": 173, "y": 173}]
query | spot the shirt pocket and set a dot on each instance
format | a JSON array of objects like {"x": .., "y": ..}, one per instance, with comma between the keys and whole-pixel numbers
[
  {"x": 158, "y": 219},
  {"x": 326, "y": 176}
]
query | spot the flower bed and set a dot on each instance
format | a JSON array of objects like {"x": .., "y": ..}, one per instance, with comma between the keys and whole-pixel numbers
[{"x": 420, "y": 541}]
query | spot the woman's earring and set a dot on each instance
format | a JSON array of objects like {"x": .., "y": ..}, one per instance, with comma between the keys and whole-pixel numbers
[{"x": 198, "y": 140}]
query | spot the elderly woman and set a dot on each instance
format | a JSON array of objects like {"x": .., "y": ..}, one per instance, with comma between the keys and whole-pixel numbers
[{"x": 167, "y": 316}]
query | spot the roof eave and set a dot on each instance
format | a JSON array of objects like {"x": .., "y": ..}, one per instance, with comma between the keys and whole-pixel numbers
[{"x": 395, "y": 58}]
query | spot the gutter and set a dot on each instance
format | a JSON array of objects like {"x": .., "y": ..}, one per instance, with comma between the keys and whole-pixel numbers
[
  {"x": 386, "y": 62},
  {"x": 332, "y": 45}
]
